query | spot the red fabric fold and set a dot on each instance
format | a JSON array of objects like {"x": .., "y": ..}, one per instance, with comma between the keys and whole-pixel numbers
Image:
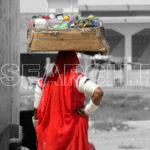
[{"x": 59, "y": 127}]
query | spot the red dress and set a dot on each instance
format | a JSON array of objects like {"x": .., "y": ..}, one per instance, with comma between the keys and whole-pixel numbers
[{"x": 59, "y": 127}]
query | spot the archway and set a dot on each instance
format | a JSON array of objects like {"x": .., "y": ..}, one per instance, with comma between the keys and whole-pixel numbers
[
  {"x": 116, "y": 42},
  {"x": 141, "y": 47}
]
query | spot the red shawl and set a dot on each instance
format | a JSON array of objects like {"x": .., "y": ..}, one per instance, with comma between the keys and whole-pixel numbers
[{"x": 59, "y": 127}]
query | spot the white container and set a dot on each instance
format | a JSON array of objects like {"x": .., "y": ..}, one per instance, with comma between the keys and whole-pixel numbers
[{"x": 40, "y": 23}]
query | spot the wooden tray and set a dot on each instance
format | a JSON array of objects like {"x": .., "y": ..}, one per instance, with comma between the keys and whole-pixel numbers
[{"x": 84, "y": 39}]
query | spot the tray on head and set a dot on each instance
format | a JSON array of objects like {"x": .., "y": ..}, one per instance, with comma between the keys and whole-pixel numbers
[{"x": 81, "y": 40}]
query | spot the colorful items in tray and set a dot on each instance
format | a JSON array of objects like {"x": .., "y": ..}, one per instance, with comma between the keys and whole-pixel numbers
[
  {"x": 62, "y": 26},
  {"x": 59, "y": 21}
]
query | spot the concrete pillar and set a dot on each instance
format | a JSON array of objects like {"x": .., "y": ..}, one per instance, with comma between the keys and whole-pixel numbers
[{"x": 128, "y": 50}]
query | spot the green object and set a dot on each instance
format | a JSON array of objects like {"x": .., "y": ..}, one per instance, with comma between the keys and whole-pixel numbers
[
  {"x": 34, "y": 17},
  {"x": 86, "y": 19},
  {"x": 64, "y": 26},
  {"x": 81, "y": 18},
  {"x": 56, "y": 27}
]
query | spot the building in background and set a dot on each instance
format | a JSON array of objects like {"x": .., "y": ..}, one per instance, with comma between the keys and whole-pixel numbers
[{"x": 126, "y": 22}]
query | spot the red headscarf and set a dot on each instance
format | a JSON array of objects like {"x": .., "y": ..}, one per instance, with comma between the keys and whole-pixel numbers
[{"x": 59, "y": 127}]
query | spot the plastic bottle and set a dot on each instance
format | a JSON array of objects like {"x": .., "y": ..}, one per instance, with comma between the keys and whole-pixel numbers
[
  {"x": 53, "y": 22},
  {"x": 71, "y": 20},
  {"x": 59, "y": 16},
  {"x": 97, "y": 22},
  {"x": 52, "y": 16},
  {"x": 76, "y": 17},
  {"x": 40, "y": 23}
]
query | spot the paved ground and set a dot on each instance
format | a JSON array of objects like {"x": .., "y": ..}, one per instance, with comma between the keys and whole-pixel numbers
[{"x": 136, "y": 138}]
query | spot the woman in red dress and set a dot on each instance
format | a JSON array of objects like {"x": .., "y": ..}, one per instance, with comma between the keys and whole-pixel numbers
[{"x": 62, "y": 117}]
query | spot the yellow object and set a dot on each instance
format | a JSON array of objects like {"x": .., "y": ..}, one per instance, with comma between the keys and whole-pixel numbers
[
  {"x": 66, "y": 18},
  {"x": 91, "y": 17}
]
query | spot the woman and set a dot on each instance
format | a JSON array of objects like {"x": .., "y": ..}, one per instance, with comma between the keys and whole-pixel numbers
[{"x": 62, "y": 117}]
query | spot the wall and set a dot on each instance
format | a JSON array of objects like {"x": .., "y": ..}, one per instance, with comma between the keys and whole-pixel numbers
[
  {"x": 9, "y": 52},
  {"x": 33, "y": 6}
]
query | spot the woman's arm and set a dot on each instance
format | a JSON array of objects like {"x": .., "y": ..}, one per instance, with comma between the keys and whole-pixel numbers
[
  {"x": 38, "y": 94},
  {"x": 89, "y": 87},
  {"x": 97, "y": 96}
]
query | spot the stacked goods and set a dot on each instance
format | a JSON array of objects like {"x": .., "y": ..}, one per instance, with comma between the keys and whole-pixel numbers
[
  {"x": 63, "y": 33},
  {"x": 60, "y": 22}
]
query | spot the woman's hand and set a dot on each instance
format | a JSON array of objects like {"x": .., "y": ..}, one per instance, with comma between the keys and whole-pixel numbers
[
  {"x": 81, "y": 112},
  {"x": 35, "y": 113}
]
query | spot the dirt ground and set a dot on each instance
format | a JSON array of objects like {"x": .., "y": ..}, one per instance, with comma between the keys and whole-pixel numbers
[
  {"x": 123, "y": 120},
  {"x": 121, "y": 123},
  {"x": 136, "y": 138}
]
